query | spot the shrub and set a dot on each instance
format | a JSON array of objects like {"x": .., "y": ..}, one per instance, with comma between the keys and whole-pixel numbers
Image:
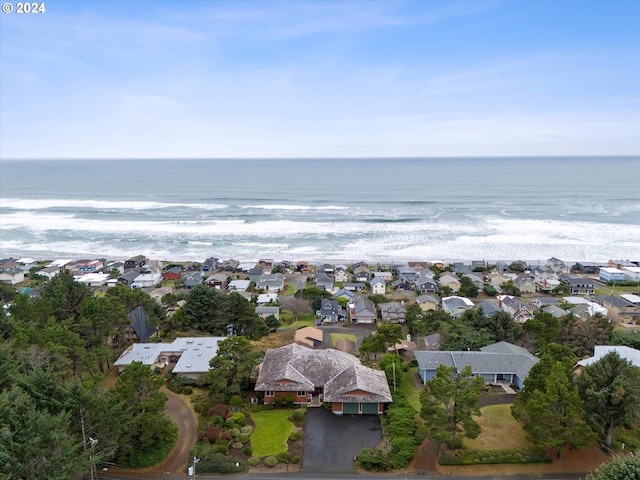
[
  {"x": 298, "y": 415},
  {"x": 289, "y": 400},
  {"x": 295, "y": 436},
  {"x": 283, "y": 457},
  {"x": 278, "y": 402},
  {"x": 295, "y": 459},
  {"x": 243, "y": 438},
  {"x": 235, "y": 401},
  {"x": 213, "y": 434},
  {"x": 248, "y": 451},
  {"x": 247, "y": 430},
  {"x": 270, "y": 462},
  {"x": 371, "y": 460},
  {"x": 220, "y": 409},
  {"x": 253, "y": 461},
  {"x": 239, "y": 418},
  {"x": 478, "y": 457},
  {"x": 220, "y": 463},
  {"x": 185, "y": 390}
]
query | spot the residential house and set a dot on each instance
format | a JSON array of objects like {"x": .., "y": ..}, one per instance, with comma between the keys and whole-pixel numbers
[
  {"x": 555, "y": 311},
  {"x": 362, "y": 310},
  {"x": 427, "y": 302},
  {"x": 174, "y": 273},
  {"x": 238, "y": 285},
  {"x": 255, "y": 273},
  {"x": 139, "y": 329},
  {"x": 303, "y": 267},
  {"x": 326, "y": 268},
  {"x": 629, "y": 297},
  {"x": 63, "y": 262},
  {"x": 271, "y": 283},
  {"x": 540, "y": 302},
  {"x": 191, "y": 355},
  {"x": 217, "y": 281},
  {"x": 619, "y": 310},
  {"x": 93, "y": 279},
  {"x": 265, "y": 298},
  {"x": 385, "y": 275},
  {"x": 585, "y": 308},
  {"x": 578, "y": 285},
  {"x": 324, "y": 282},
  {"x": 426, "y": 284},
  {"x": 341, "y": 275},
  {"x": 210, "y": 264},
  {"x": 408, "y": 273},
  {"x": 620, "y": 264},
  {"x": 402, "y": 284},
  {"x": 599, "y": 351},
  {"x": 519, "y": 310},
  {"x": 378, "y": 286},
  {"x": 138, "y": 261},
  {"x": 330, "y": 311},
  {"x": 393, "y": 312},
  {"x": 146, "y": 280},
  {"x": 525, "y": 284},
  {"x": 245, "y": 267},
  {"x": 328, "y": 375},
  {"x": 456, "y": 306},
  {"x": 129, "y": 277},
  {"x": 501, "y": 362},
  {"x": 263, "y": 311},
  {"x": 588, "y": 267},
  {"x": 49, "y": 272},
  {"x": 309, "y": 337},
  {"x": 229, "y": 265},
  {"x": 451, "y": 281},
  {"x": 362, "y": 273},
  {"x": 558, "y": 266},
  {"x": 89, "y": 266},
  {"x": 283, "y": 266},
  {"x": 355, "y": 287},
  {"x": 476, "y": 278},
  {"x": 266, "y": 264},
  {"x": 609, "y": 274},
  {"x": 631, "y": 274},
  {"x": 346, "y": 294},
  {"x": 488, "y": 308}
]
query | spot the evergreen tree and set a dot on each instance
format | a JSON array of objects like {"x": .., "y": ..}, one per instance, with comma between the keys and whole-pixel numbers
[
  {"x": 450, "y": 403},
  {"x": 610, "y": 389}
]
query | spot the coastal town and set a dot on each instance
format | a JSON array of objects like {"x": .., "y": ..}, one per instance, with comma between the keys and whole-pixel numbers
[{"x": 323, "y": 321}]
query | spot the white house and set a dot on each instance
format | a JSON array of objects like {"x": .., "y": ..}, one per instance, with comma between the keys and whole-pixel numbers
[
  {"x": 378, "y": 286},
  {"x": 12, "y": 275},
  {"x": 238, "y": 285},
  {"x": 631, "y": 274},
  {"x": 93, "y": 279},
  {"x": 608, "y": 274},
  {"x": 147, "y": 280}
]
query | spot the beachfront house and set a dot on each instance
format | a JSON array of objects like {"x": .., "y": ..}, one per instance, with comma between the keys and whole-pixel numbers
[
  {"x": 341, "y": 275},
  {"x": 610, "y": 274},
  {"x": 618, "y": 309},
  {"x": 12, "y": 275}
]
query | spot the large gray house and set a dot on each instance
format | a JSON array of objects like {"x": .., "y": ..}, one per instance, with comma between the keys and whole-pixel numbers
[{"x": 501, "y": 362}]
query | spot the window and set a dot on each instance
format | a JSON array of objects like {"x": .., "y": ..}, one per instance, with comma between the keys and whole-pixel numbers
[
  {"x": 301, "y": 393},
  {"x": 268, "y": 393}
]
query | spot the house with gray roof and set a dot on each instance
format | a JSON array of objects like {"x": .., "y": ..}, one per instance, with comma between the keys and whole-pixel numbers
[
  {"x": 501, "y": 362},
  {"x": 271, "y": 283},
  {"x": 316, "y": 376},
  {"x": 488, "y": 308},
  {"x": 264, "y": 311},
  {"x": 599, "y": 351},
  {"x": 455, "y": 306},
  {"x": 519, "y": 310},
  {"x": 540, "y": 302},
  {"x": 324, "y": 282},
  {"x": 426, "y": 284},
  {"x": 331, "y": 311},
  {"x": 362, "y": 310},
  {"x": 393, "y": 312},
  {"x": 578, "y": 285},
  {"x": 555, "y": 311},
  {"x": 378, "y": 286},
  {"x": 344, "y": 293},
  {"x": 618, "y": 309}
]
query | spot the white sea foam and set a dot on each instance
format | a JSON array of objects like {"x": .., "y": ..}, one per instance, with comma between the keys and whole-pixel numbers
[
  {"x": 42, "y": 204},
  {"x": 294, "y": 207}
]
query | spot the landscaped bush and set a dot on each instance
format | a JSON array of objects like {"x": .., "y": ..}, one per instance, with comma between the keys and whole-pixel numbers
[
  {"x": 289, "y": 400},
  {"x": 243, "y": 438},
  {"x": 295, "y": 436},
  {"x": 270, "y": 462},
  {"x": 295, "y": 459},
  {"x": 371, "y": 460},
  {"x": 298, "y": 415},
  {"x": 239, "y": 418},
  {"x": 220, "y": 463},
  {"x": 247, "y": 430},
  {"x": 185, "y": 390},
  {"x": 253, "y": 461},
  {"x": 235, "y": 401},
  {"x": 220, "y": 409},
  {"x": 402, "y": 451},
  {"x": 479, "y": 457},
  {"x": 278, "y": 402},
  {"x": 247, "y": 451},
  {"x": 283, "y": 457},
  {"x": 213, "y": 434}
]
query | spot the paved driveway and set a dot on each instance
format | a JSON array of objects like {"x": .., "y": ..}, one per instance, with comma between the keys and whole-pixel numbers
[{"x": 333, "y": 441}]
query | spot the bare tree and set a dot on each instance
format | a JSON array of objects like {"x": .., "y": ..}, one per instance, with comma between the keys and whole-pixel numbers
[{"x": 297, "y": 306}]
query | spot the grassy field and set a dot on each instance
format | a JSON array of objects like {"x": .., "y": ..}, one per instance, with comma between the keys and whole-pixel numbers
[
  {"x": 336, "y": 337},
  {"x": 273, "y": 340},
  {"x": 411, "y": 393},
  {"x": 499, "y": 430},
  {"x": 271, "y": 433}
]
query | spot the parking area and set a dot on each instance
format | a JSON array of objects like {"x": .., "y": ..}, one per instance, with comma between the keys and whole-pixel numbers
[{"x": 333, "y": 441}]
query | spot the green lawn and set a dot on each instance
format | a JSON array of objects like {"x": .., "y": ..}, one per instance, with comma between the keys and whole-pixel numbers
[
  {"x": 411, "y": 393},
  {"x": 336, "y": 337},
  {"x": 499, "y": 430},
  {"x": 271, "y": 433}
]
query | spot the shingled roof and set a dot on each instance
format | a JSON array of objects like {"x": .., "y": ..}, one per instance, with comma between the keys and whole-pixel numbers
[{"x": 295, "y": 367}]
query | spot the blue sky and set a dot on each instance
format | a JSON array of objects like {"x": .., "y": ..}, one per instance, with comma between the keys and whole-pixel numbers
[{"x": 216, "y": 79}]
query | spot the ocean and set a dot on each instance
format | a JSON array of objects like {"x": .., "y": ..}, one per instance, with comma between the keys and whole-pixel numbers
[{"x": 341, "y": 210}]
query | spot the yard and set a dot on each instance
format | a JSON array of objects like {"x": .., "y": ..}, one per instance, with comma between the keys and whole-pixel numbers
[
  {"x": 336, "y": 337},
  {"x": 499, "y": 430},
  {"x": 272, "y": 431}
]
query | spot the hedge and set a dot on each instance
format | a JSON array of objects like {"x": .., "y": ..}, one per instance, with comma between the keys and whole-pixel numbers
[{"x": 465, "y": 456}]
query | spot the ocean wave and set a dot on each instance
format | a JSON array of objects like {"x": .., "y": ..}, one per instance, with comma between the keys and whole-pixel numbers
[
  {"x": 294, "y": 207},
  {"x": 44, "y": 204}
]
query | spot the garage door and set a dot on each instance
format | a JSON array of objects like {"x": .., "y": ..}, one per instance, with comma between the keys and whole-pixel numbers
[
  {"x": 370, "y": 408},
  {"x": 350, "y": 408}
]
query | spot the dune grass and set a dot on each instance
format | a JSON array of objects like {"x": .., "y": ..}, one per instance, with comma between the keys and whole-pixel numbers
[
  {"x": 499, "y": 430},
  {"x": 272, "y": 431}
]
